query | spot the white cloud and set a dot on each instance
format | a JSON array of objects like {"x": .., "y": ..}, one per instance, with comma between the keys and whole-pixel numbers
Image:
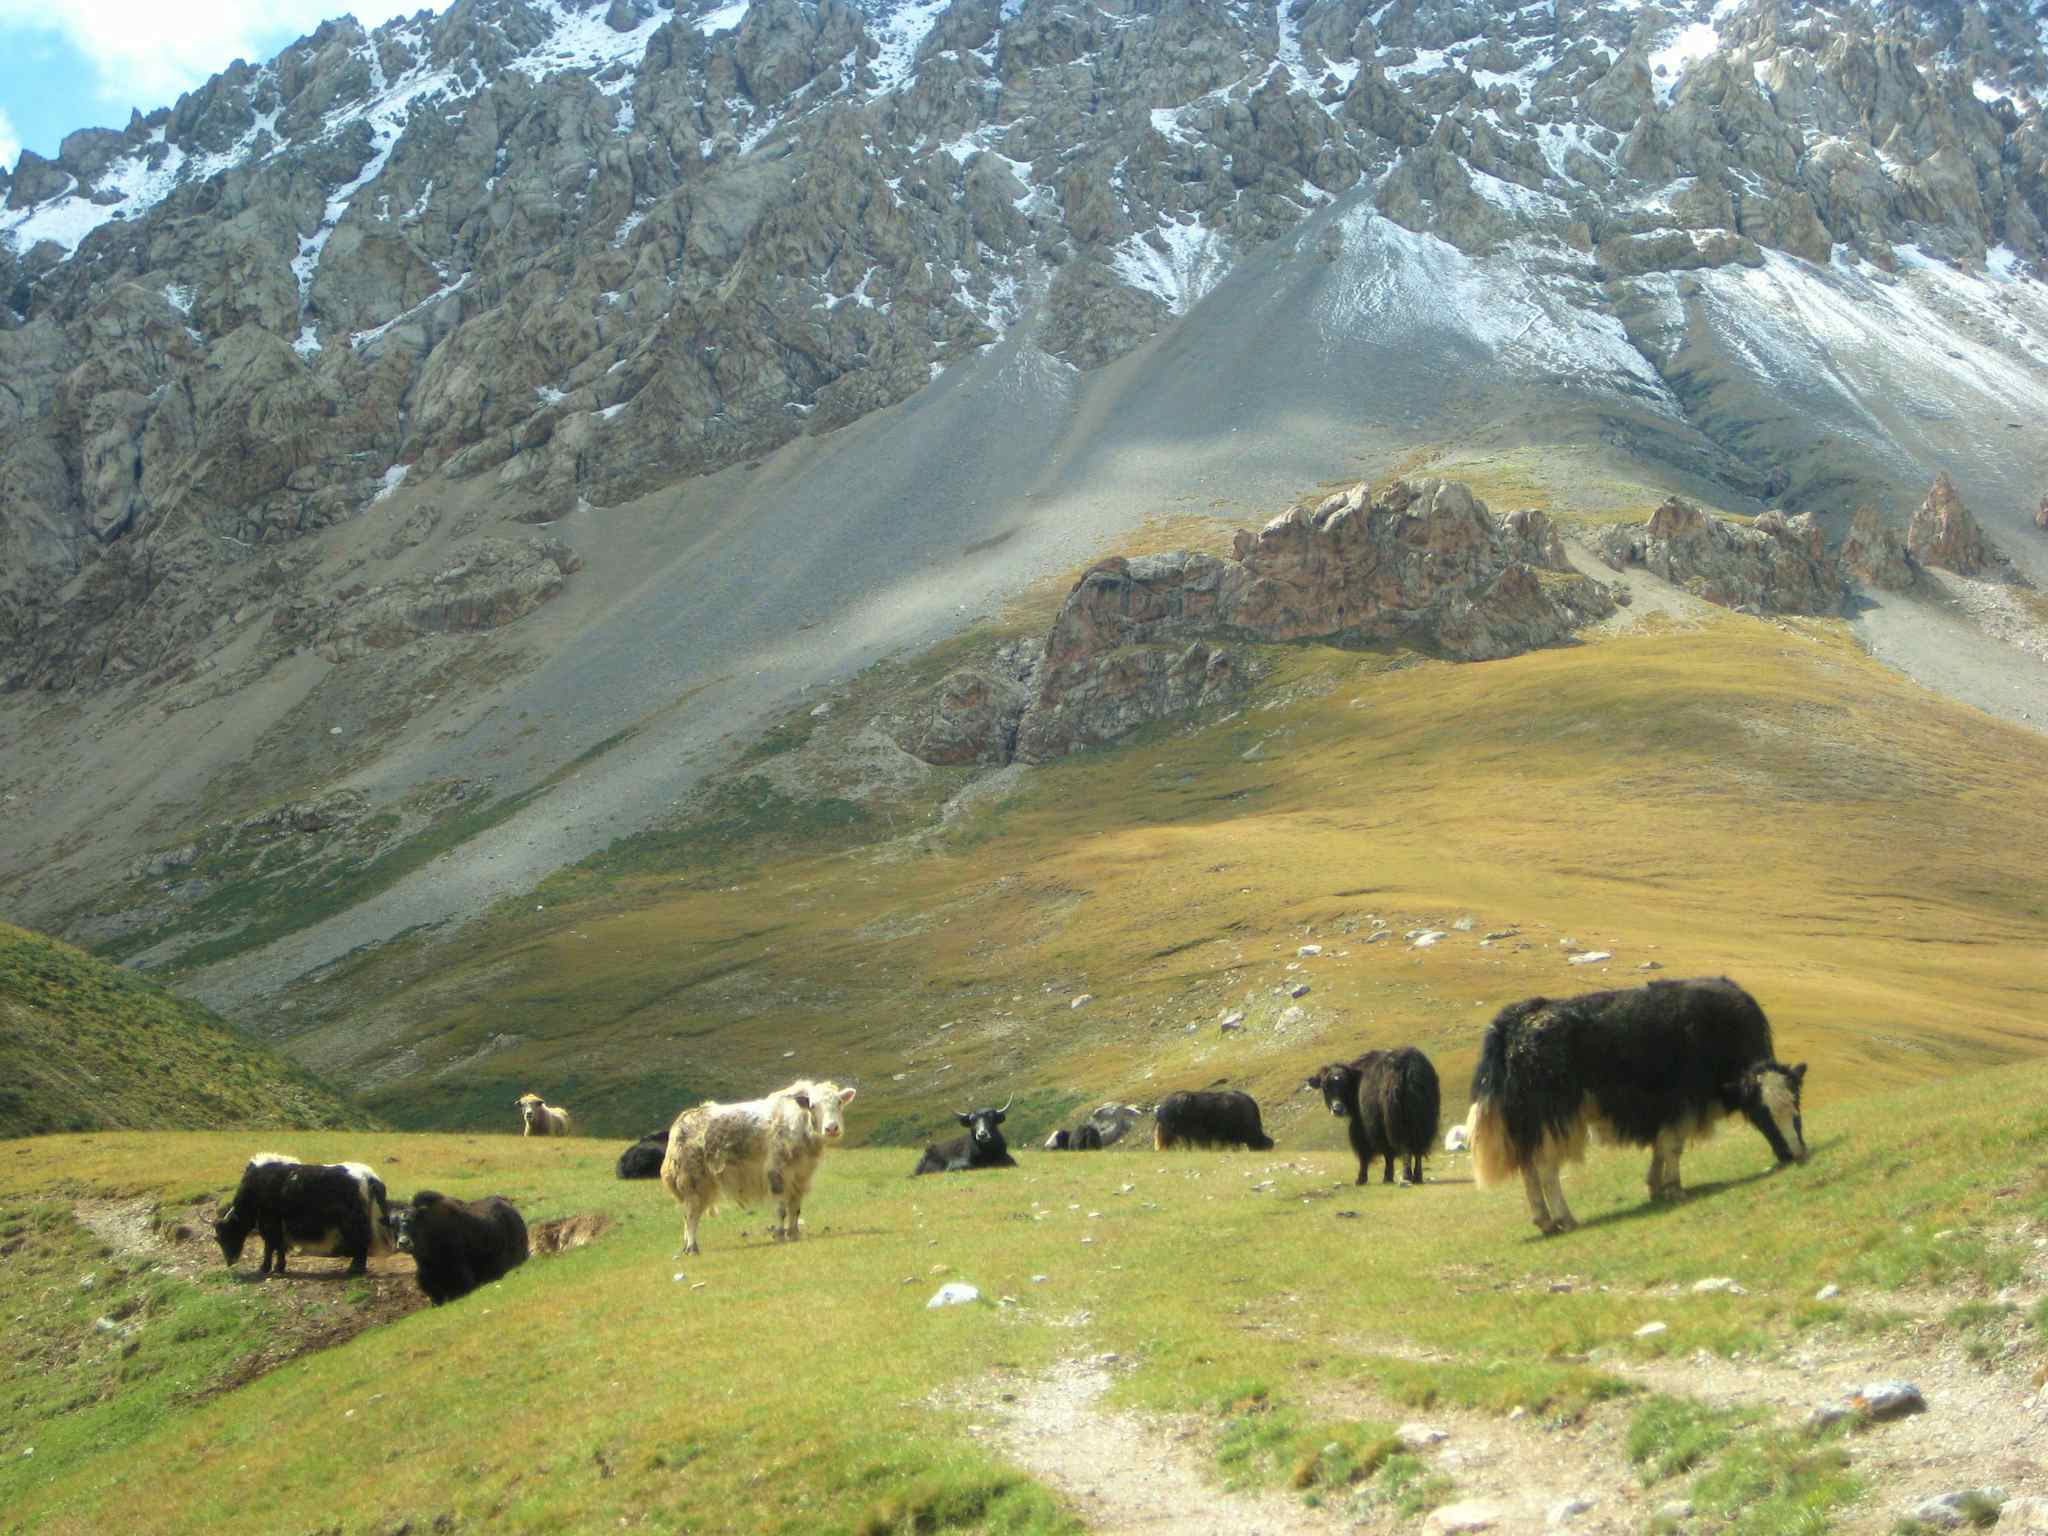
[
  {"x": 10, "y": 142},
  {"x": 147, "y": 52}
]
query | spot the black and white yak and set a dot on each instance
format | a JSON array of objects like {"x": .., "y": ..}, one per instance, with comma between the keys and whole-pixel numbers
[
  {"x": 982, "y": 1147},
  {"x": 327, "y": 1209},
  {"x": 1390, "y": 1102},
  {"x": 642, "y": 1160},
  {"x": 460, "y": 1244},
  {"x": 1204, "y": 1118},
  {"x": 1654, "y": 1066}
]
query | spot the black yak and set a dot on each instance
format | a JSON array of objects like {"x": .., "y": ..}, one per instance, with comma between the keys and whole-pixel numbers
[
  {"x": 329, "y": 1209},
  {"x": 1390, "y": 1102},
  {"x": 1653, "y": 1066},
  {"x": 982, "y": 1147},
  {"x": 460, "y": 1244},
  {"x": 642, "y": 1160},
  {"x": 1209, "y": 1119}
]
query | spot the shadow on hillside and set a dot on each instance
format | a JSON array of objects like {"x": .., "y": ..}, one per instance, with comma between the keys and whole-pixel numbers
[{"x": 1693, "y": 1193}]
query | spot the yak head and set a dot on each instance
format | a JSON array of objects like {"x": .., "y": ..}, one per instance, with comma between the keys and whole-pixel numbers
[
  {"x": 981, "y": 1124},
  {"x": 1338, "y": 1084},
  {"x": 530, "y": 1106},
  {"x": 1767, "y": 1095},
  {"x": 231, "y": 1231},
  {"x": 823, "y": 1102}
]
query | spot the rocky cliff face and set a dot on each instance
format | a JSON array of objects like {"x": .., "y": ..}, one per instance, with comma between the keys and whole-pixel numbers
[
  {"x": 1156, "y": 636},
  {"x": 1778, "y": 564},
  {"x": 586, "y": 247}
]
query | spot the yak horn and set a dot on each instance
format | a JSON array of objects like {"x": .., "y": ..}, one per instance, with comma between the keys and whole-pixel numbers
[{"x": 1006, "y": 1104}]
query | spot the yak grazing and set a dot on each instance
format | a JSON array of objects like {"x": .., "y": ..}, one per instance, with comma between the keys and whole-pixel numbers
[
  {"x": 1654, "y": 1066},
  {"x": 982, "y": 1147},
  {"x": 1208, "y": 1119},
  {"x": 329, "y": 1209},
  {"x": 1390, "y": 1102}
]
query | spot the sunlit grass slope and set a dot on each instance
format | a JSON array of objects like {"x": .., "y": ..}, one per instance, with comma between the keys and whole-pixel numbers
[
  {"x": 86, "y": 1045},
  {"x": 1746, "y": 797},
  {"x": 808, "y": 1389}
]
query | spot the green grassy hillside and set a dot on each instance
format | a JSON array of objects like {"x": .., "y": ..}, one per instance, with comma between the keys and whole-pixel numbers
[
  {"x": 1740, "y": 796},
  {"x": 1284, "y": 1318},
  {"x": 85, "y": 1045}
]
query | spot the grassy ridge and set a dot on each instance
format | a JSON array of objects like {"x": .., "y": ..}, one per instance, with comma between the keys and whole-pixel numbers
[
  {"x": 1751, "y": 798},
  {"x": 808, "y": 1389},
  {"x": 86, "y": 1045}
]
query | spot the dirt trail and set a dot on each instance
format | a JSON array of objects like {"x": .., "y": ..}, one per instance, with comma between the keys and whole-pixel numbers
[{"x": 1122, "y": 1472}]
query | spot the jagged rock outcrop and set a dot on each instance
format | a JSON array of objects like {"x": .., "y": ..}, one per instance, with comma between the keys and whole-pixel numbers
[
  {"x": 1943, "y": 533},
  {"x": 1422, "y": 562},
  {"x": 1874, "y": 553},
  {"x": 1777, "y": 564},
  {"x": 972, "y": 716}
]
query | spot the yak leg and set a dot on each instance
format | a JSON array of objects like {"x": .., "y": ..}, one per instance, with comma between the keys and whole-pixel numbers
[
  {"x": 1388, "y": 1176},
  {"x": 1670, "y": 1146},
  {"x": 1553, "y": 1196},
  {"x": 1414, "y": 1169},
  {"x": 691, "y": 1214},
  {"x": 1532, "y": 1186}
]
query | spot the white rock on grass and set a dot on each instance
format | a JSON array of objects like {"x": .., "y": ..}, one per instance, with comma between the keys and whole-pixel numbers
[
  {"x": 1083, "y": 1000},
  {"x": 1412, "y": 1435},
  {"x": 1827, "y": 1293},
  {"x": 1309, "y": 951},
  {"x": 1651, "y": 1330},
  {"x": 1425, "y": 939},
  {"x": 953, "y": 1293},
  {"x": 1589, "y": 957},
  {"x": 1565, "y": 1511},
  {"x": 1719, "y": 1284},
  {"x": 1466, "y": 1515},
  {"x": 1675, "y": 1509}
]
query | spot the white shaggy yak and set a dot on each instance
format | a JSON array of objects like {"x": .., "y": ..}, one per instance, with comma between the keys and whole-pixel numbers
[{"x": 762, "y": 1149}]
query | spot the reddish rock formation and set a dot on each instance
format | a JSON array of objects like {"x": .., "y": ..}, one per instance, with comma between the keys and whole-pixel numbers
[
  {"x": 1777, "y": 564},
  {"x": 1423, "y": 562},
  {"x": 1875, "y": 554},
  {"x": 1943, "y": 533}
]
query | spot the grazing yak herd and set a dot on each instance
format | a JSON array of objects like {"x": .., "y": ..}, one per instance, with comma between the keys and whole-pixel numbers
[{"x": 1656, "y": 1066}]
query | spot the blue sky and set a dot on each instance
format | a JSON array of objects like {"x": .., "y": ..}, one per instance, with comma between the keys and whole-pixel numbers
[{"x": 85, "y": 63}]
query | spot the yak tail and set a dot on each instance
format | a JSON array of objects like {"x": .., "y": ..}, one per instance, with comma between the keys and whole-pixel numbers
[{"x": 1494, "y": 1158}]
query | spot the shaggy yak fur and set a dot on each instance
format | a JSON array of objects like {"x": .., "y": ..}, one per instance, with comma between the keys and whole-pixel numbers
[
  {"x": 1208, "y": 1119},
  {"x": 982, "y": 1147},
  {"x": 1654, "y": 1066},
  {"x": 642, "y": 1160},
  {"x": 329, "y": 1209},
  {"x": 460, "y": 1244},
  {"x": 753, "y": 1151},
  {"x": 1390, "y": 1102}
]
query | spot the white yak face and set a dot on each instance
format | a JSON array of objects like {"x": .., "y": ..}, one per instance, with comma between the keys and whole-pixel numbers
[
  {"x": 826, "y": 1101},
  {"x": 1778, "y": 1089}
]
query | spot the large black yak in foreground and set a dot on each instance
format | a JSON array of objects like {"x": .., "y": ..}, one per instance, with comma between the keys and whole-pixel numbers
[
  {"x": 1653, "y": 1066},
  {"x": 1390, "y": 1102}
]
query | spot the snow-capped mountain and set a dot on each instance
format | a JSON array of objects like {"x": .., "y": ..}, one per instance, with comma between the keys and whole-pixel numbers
[{"x": 279, "y": 365}]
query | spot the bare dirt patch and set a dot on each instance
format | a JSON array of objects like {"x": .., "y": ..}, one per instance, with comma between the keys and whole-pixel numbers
[
  {"x": 566, "y": 1232},
  {"x": 305, "y": 1317},
  {"x": 1122, "y": 1472}
]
